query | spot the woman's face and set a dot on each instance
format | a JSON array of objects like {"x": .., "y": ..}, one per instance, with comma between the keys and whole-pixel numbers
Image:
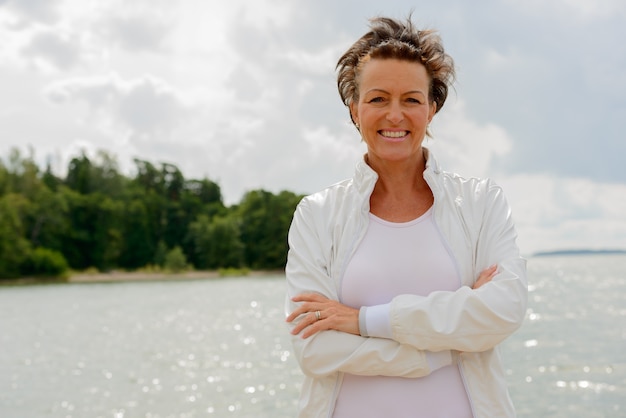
[{"x": 393, "y": 110}]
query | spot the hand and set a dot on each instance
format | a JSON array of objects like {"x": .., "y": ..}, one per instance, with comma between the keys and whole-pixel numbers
[
  {"x": 485, "y": 276},
  {"x": 332, "y": 315}
]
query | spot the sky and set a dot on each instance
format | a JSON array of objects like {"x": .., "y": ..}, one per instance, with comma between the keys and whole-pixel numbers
[{"x": 244, "y": 93}]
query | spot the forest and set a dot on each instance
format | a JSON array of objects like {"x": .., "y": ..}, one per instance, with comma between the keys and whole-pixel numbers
[{"x": 98, "y": 219}]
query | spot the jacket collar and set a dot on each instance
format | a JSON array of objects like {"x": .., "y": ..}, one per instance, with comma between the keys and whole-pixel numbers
[{"x": 365, "y": 177}]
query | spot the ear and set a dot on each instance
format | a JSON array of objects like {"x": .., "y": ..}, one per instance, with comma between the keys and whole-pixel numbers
[{"x": 354, "y": 112}]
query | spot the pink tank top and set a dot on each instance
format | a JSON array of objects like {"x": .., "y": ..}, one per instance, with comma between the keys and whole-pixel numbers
[{"x": 395, "y": 259}]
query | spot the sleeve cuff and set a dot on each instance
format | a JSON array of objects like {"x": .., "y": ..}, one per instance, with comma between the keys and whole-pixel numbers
[
  {"x": 363, "y": 322},
  {"x": 374, "y": 321}
]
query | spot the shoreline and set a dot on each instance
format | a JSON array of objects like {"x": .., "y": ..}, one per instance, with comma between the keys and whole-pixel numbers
[{"x": 140, "y": 276}]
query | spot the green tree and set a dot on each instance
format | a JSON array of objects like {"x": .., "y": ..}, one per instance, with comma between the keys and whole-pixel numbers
[
  {"x": 96, "y": 217},
  {"x": 148, "y": 177},
  {"x": 160, "y": 254},
  {"x": 51, "y": 181},
  {"x": 44, "y": 218},
  {"x": 106, "y": 175},
  {"x": 80, "y": 175},
  {"x": 175, "y": 260},
  {"x": 47, "y": 219},
  {"x": 216, "y": 243},
  {"x": 139, "y": 245},
  {"x": 23, "y": 174},
  {"x": 45, "y": 262},
  {"x": 265, "y": 220},
  {"x": 100, "y": 175},
  {"x": 93, "y": 238},
  {"x": 205, "y": 190},
  {"x": 4, "y": 179},
  {"x": 14, "y": 248}
]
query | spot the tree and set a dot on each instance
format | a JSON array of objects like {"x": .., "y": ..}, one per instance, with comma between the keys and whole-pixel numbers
[
  {"x": 100, "y": 175},
  {"x": 47, "y": 219},
  {"x": 48, "y": 178},
  {"x": 14, "y": 248},
  {"x": 96, "y": 217},
  {"x": 205, "y": 190},
  {"x": 45, "y": 262},
  {"x": 175, "y": 260},
  {"x": 93, "y": 238},
  {"x": 4, "y": 179},
  {"x": 265, "y": 220},
  {"x": 106, "y": 175},
  {"x": 80, "y": 175},
  {"x": 139, "y": 245},
  {"x": 148, "y": 177},
  {"x": 215, "y": 243}
]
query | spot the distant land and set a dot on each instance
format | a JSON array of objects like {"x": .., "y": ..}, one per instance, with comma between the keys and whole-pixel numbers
[{"x": 578, "y": 252}]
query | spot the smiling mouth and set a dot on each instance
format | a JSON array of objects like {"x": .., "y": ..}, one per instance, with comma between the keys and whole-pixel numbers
[{"x": 394, "y": 134}]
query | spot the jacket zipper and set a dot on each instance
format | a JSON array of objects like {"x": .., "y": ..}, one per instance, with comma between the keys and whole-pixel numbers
[
  {"x": 469, "y": 398},
  {"x": 459, "y": 364},
  {"x": 331, "y": 407}
]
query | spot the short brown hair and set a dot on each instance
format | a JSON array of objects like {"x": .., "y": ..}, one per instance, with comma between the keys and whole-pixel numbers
[{"x": 392, "y": 39}]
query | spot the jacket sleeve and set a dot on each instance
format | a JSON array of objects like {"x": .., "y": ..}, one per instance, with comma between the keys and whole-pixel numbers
[
  {"x": 330, "y": 351},
  {"x": 471, "y": 320}
]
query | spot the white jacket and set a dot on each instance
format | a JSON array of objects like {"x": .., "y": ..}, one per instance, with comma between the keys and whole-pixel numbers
[{"x": 475, "y": 219}]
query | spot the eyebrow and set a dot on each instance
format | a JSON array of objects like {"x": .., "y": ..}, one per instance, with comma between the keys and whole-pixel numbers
[{"x": 386, "y": 92}]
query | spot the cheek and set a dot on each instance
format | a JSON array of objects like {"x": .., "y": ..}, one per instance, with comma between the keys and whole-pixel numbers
[
  {"x": 423, "y": 117},
  {"x": 367, "y": 114}
]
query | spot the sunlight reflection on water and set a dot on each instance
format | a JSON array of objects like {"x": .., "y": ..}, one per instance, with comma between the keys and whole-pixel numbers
[
  {"x": 147, "y": 349},
  {"x": 220, "y": 347},
  {"x": 569, "y": 357}
]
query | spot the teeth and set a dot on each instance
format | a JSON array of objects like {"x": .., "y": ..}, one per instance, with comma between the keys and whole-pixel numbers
[{"x": 394, "y": 134}]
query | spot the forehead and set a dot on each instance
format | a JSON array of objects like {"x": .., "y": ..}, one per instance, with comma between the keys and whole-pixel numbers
[{"x": 387, "y": 73}]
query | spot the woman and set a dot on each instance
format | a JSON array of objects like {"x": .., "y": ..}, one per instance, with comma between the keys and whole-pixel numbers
[{"x": 403, "y": 280}]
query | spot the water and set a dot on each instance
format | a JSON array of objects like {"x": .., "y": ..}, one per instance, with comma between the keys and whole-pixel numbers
[
  {"x": 219, "y": 347},
  {"x": 569, "y": 357}
]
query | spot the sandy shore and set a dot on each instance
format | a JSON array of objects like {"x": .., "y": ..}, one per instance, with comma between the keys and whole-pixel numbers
[
  {"x": 123, "y": 276},
  {"x": 139, "y": 276}
]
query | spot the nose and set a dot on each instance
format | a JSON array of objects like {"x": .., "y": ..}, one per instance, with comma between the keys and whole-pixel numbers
[{"x": 395, "y": 114}]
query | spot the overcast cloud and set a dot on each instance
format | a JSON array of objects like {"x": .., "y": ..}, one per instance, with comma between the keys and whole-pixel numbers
[{"x": 243, "y": 92}]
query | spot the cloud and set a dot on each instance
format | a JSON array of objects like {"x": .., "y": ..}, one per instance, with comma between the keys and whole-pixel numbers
[
  {"x": 566, "y": 213},
  {"x": 465, "y": 145},
  {"x": 29, "y": 11},
  {"x": 244, "y": 92},
  {"x": 143, "y": 30},
  {"x": 565, "y": 10},
  {"x": 141, "y": 106},
  {"x": 37, "y": 34},
  {"x": 53, "y": 50}
]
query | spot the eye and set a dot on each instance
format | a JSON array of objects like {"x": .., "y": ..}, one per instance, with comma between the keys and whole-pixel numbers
[
  {"x": 414, "y": 100},
  {"x": 376, "y": 100}
]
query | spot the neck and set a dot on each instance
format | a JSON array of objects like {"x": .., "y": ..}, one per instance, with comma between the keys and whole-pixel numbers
[
  {"x": 399, "y": 178},
  {"x": 401, "y": 193}
]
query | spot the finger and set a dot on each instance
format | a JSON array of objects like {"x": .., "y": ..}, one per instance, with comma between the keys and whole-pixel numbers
[
  {"x": 303, "y": 309},
  {"x": 309, "y": 297},
  {"x": 488, "y": 272},
  {"x": 485, "y": 276},
  {"x": 308, "y": 300},
  {"x": 317, "y": 326},
  {"x": 491, "y": 269},
  {"x": 300, "y": 310},
  {"x": 311, "y": 330},
  {"x": 307, "y": 322}
]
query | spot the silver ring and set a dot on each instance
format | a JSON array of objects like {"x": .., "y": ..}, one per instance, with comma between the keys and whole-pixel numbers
[{"x": 318, "y": 315}]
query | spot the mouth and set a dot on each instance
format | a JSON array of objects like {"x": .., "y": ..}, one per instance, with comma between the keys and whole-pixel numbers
[{"x": 393, "y": 135}]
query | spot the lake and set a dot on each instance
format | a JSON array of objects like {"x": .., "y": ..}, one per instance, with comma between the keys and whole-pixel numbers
[{"x": 219, "y": 347}]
